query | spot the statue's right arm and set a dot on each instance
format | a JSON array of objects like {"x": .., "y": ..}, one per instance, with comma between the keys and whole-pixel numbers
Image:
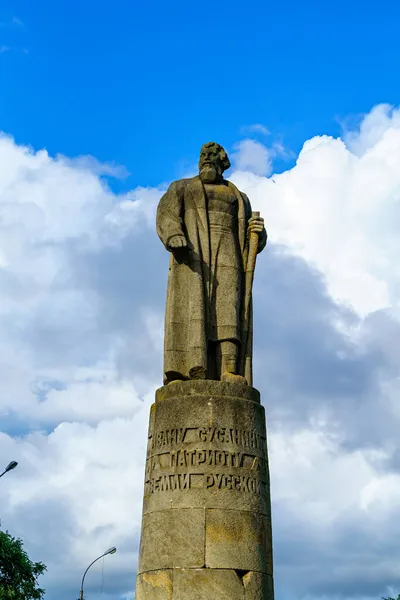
[{"x": 170, "y": 212}]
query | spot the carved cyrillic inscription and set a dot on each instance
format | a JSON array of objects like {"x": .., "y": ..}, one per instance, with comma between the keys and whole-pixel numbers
[
  {"x": 185, "y": 458},
  {"x": 223, "y": 435},
  {"x": 209, "y": 458},
  {"x": 172, "y": 481},
  {"x": 181, "y": 459},
  {"x": 211, "y": 481},
  {"x": 240, "y": 483}
]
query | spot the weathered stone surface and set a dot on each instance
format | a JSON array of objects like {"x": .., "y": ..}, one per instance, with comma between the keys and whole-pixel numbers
[
  {"x": 207, "y": 584},
  {"x": 258, "y": 586},
  {"x": 237, "y": 540},
  {"x": 207, "y": 388},
  {"x": 154, "y": 585},
  {"x": 204, "y": 584},
  {"x": 172, "y": 538}
]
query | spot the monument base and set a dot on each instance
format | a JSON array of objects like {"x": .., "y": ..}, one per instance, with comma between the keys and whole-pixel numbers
[{"x": 206, "y": 525}]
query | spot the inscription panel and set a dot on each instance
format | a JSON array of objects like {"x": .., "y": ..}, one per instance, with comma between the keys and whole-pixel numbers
[
  {"x": 205, "y": 460},
  {"x": 207, "y": 453}
]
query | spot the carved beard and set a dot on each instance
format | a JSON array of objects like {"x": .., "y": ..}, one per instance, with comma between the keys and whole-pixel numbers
[{"x": 210, "y": 173}]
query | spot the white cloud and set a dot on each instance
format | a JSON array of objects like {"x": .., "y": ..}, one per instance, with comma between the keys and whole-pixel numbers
[
  {"x": 81, "y": 344},
  {"x": 84, "y": 486},
  {"x": 339, "y": 211},
  {"x": 252, "y": 156},
  {"x": 256, "y": 128},
  {"x": 383, "y": 120},
  {"x": 62, "y": 360}
]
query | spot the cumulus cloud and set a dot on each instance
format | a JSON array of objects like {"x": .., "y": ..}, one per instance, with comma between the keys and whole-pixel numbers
[
  {"x": 81, "y": 355},
  {"x": 338, "y": 211},
  {"x": 383, "y": 121},
  {"x": 74, "y": 396},
  {"x": 252, "y": 156}
]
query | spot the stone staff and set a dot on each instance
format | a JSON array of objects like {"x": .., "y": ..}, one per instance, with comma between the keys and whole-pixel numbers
[{"x": 248, "y": 288}]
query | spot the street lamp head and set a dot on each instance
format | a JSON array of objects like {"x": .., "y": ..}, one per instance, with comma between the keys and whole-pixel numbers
[
  {"x": 11, "y": 466},
  {"x": 111, "y": 550}
]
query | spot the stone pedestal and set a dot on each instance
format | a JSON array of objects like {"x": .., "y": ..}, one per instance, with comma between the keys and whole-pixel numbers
[{"x": 206, "y": 526}]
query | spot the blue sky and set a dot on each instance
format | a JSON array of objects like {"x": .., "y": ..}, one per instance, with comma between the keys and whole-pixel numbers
[
  {"x": 144, "y": 85},
  {"x": 305, "y": 98}
]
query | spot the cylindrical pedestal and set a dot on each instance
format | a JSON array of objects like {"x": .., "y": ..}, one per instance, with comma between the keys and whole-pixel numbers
[{"x": 206, "y": 526}]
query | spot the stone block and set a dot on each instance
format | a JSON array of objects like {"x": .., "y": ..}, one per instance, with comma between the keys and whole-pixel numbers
[
  {"x": 207, "y": 584},
  {"x": 237, "y": 540},
  {"x": 154, "y": 585},
  {"x": 172, "y": 538},
  {"x": 258, "y": 586}
]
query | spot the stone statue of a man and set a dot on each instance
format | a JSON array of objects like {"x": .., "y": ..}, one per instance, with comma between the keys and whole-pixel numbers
[{"x": 205, "y": 222}]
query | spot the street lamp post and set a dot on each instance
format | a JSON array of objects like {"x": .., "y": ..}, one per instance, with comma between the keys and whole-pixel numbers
[
  {"x": 9, "y": 467},
  {"x": 109, "y": 551}
]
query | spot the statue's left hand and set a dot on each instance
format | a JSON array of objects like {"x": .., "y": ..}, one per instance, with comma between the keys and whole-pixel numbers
[{"x": 256, "y": 224}]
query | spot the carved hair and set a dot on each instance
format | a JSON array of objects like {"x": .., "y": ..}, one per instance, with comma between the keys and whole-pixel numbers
[{"x": 225, "y": 162}]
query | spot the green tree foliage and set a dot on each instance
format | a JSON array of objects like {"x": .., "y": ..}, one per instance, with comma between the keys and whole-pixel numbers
[
  {"x": 18, "y": 574},
  {"x": 398, "y": 598}
]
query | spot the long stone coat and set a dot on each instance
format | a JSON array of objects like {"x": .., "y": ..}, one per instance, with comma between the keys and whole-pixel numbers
[{"x": 183, "y": 211}]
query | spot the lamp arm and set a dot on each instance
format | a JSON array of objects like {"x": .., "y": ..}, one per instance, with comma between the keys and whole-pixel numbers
[{"x": 92, "y": 563}]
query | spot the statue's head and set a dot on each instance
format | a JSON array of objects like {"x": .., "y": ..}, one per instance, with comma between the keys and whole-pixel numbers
[{"x": 213, "y": 162}]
